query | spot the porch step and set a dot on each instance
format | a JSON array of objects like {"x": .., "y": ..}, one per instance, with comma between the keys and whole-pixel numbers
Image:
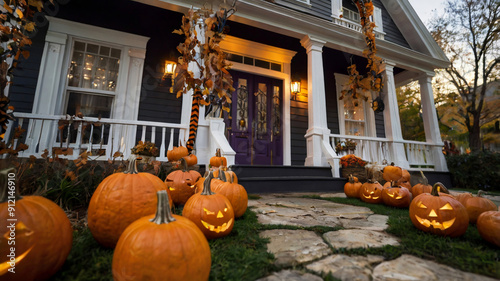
[{"x": 282, "y": 179}]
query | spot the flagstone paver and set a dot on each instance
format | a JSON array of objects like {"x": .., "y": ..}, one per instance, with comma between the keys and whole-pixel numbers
[
  {"x": 408, "y": 267},
  {"x": 293, "y": 247},
  {"x": 362, "y": 228},
  {"x": 345, "y": 267},
  {"x": 359, "y": 238},
  {"x": 291, "y": 275}
]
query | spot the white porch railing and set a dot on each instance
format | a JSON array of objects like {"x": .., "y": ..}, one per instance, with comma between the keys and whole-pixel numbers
[
  {"x": 102, "y": 137},
  {"x": 377, "y": 150}
]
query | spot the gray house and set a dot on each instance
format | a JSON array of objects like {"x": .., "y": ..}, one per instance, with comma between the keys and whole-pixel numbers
[{"x": 105, "y": 60}]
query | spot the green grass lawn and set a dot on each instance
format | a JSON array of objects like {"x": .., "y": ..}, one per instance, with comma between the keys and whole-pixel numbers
[{"x": 242, "y": 255}]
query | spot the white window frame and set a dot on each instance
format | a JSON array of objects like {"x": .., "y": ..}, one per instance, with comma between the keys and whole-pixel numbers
[
  {"x": 370, "y": 129},
  {"x": 51, "y": 93}
]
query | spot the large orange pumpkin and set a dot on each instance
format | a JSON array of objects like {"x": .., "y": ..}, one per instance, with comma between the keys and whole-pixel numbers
[
  {"x": 351, "y": 188},
  {"x": 392, "y": 172},
  {"x": 488, "y": 226},
  {"x": 177, "y": 153},
  {"x": 162, "y": 246},
  {"x": 236, "y": 194},
  {"x": 218, "y": 160},
  {"x": 181, "y": 183},
  {"x": 371, "y": 192},
  {"x": 211, "y": 212},
  {"x": 476, "y": 205},
  {"x": 40, "y": 230},
  {"x": 423, "y": 187},
  {"x": 119, "y": 200},
  {"x": 439, "y": 213}
]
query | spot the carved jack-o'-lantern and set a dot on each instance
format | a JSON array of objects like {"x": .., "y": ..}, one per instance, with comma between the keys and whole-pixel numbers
[
  {"x": 439, "y": 213},
  {"x": 396, "y": 196},
  {"x": 211, "y": 212},
  {"x": 371, "y": 192},
  {"x": 181, "y": 183}
]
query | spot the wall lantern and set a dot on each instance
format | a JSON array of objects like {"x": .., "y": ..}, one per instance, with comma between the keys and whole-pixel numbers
[
  {"x": 295, "y": 88},
  {"x": 169, "y": 71}
]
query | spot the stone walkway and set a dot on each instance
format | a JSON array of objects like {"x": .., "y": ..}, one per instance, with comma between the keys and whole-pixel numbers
[{"x": 361, "y": 228}]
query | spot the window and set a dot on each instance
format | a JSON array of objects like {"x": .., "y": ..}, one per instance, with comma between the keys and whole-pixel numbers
[
  {"x": 92, "y": 78},
  {"x": 355, "y": 118}
]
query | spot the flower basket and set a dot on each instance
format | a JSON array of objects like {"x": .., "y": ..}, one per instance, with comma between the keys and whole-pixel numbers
[
  {"x": 353, "y": 165},
  {"x": 355, "y": 171}
]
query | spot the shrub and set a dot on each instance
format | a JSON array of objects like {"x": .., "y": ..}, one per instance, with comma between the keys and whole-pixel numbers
[{"x": 475, "y": 171}]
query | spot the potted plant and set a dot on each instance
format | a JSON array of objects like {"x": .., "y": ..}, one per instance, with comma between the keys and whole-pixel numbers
[
  {"x": 146, "y": 150},
  {"x": 353, "y": 165}
]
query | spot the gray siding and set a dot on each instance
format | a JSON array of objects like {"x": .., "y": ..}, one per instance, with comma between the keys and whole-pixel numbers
[
  {"x": 22, "y": 90},
  {"x": 299, "y": 124},
  {"x": 379, "y": 124},
  {"x": 392, "y": 31}
]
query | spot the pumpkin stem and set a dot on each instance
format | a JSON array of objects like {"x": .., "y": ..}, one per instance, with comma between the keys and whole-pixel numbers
[
  {"x": 480, "y": 193},
  {"x": 394, "y": 184},
  {"x": 206, "y": 184},
  {"x": 217, "y": 153},
  {"x": 351, "y": 179},
  {"x": 163, "y": 213},
  {"x": 425, "y": 180},
  {"x": 132, "y": 166},
  {"x": 5, "y": 194},
  {"x": 184, "y": 164},
  {"x": 222, "y": 175},
  {"x": 439, "y": 187}
]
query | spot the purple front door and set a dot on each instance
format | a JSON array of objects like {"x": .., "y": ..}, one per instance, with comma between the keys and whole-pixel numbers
[{"x": 255, "y": 128}]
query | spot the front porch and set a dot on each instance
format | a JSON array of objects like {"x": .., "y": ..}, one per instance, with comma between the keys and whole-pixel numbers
[{"x": 105, "y": 139}]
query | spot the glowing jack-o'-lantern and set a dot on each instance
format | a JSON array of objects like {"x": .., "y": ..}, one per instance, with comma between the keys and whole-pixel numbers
[
  {"x": 181, "y": 183},
  {"x": 439, "y": 213},
  {"x": 371, "y": 192},
  {"x": 211, "y": 212},
  {"x": 39, "y": 228},
  {"x": 396, "y": 196}
]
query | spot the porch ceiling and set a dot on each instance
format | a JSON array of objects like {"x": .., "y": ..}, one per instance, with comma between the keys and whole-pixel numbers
[{"x": 286, "y": 21}]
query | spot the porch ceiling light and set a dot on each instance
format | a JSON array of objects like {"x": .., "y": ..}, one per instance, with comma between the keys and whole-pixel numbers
[{"x": 295, "y": 87}]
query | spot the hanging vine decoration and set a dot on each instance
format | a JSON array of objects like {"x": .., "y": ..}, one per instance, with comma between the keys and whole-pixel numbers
[
  {"x": 214, "y": 82},
  {"x": 16, "y": 27},
  {"x": 358, "y": 85}
]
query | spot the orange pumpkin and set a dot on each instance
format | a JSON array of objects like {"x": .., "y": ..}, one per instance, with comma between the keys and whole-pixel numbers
[
  {"x": 177, "y": 153},
  {"x": 181, "y": 183},
  {"x": 396, "y": 196},
  {"x": 439, "y": 213},
  {"x": 161, "y": 245},
  {"x": 218, "y": 160},
  {"x": 488, "y": 226},
  {"x": 119, "y": 200},
  {"x": 392, "y": 173},
  {"x": 423, "y": 187},
  {"x": 371, "y": 192},
  {"x": 191, "y": 159},
  {"x": 211, "y": 212},
  {"x": 39, "y": 228},
  {"x": 236, "y": 194},
  {"x": 351, "y": 188},
  {"x": 405, "y": 175},
  {"x": 476, "y": 205}
]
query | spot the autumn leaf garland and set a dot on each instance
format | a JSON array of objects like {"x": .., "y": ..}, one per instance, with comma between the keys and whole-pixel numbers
[
  {"x": 215, "y": 80},
  {"x": 372, "y": 80}
]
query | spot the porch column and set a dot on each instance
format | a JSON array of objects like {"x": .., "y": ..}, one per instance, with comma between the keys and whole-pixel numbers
[
  {"x": 431, "y": 125},
  {"x": 316, "y": 101},
  {"x": 391, "y": 120}
]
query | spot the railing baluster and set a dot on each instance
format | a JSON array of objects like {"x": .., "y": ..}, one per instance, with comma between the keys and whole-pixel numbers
[
  {"x": 79, "y": 138},
  {"x": 91, "y": 138},
  {"x": 109, "y": 146},
  {"x": 162, "y": 146},
  {"x": 143, "y": 137},
  {"x": 153, "y": 134},
  {"x": 171, "y": 141}
]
